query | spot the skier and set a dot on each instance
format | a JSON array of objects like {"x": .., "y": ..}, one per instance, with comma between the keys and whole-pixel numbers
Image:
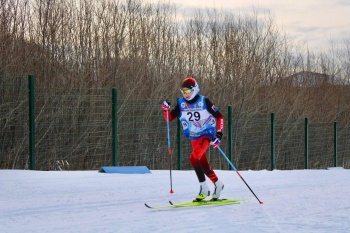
[{"x": 203, "y": 124}]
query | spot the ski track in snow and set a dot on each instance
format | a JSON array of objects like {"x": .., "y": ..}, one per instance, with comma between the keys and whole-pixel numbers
[{"x": 88, "y": 201}]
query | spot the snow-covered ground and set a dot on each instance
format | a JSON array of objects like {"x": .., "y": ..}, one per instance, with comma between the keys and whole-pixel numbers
[{"x": 89, "y": 201}]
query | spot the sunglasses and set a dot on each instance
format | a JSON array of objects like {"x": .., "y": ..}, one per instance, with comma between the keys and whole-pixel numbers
[{"x": 188, "y": 91}]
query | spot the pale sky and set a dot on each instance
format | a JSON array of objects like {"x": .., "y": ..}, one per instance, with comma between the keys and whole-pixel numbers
[{"x": 314, "y": 23}]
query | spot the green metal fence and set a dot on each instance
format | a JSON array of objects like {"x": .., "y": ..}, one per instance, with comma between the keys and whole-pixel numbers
[
  {"x": 14, "y": 137},
  {"x": 73, "y": 127},
  {"x": 84, "y": 129}
]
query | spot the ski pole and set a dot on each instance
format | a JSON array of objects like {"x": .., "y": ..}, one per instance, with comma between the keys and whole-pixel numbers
[
  {"x": 169, "y": 150},
  {"x": 234, "y": 168}
]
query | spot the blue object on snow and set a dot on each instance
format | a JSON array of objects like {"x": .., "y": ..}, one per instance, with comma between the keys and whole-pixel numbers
[{"x": 125, "y": 169}]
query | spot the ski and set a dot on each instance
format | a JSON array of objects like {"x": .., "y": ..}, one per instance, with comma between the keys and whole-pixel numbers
[
  {"x": 158, "y": 207},
  {"x": 197, "y": 203},
  {"x": 206, "y": 202}
]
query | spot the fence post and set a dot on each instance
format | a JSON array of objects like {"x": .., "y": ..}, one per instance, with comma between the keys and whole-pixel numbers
[
  {"x": 335, "y": 144},
  {"x": 273, "y": 162},
  {"x": 114, "y": 128},
  {"x": 306, "y": 138},
  {"x": 179, "y": 145},
  {"x": 230, "y": 146},
  {"x": 31, "y": 105}
]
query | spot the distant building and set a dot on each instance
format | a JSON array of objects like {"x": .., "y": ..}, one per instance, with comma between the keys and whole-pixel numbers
[{"x": 309, "y": 79}]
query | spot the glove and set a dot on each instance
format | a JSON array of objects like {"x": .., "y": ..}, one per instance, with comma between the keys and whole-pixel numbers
[
  {"x": 215, "y": 142},
  {"x": 165, "y": 106}
]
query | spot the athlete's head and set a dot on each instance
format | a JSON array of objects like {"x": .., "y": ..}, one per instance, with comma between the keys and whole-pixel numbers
[{"x": 189, "y": 88}]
